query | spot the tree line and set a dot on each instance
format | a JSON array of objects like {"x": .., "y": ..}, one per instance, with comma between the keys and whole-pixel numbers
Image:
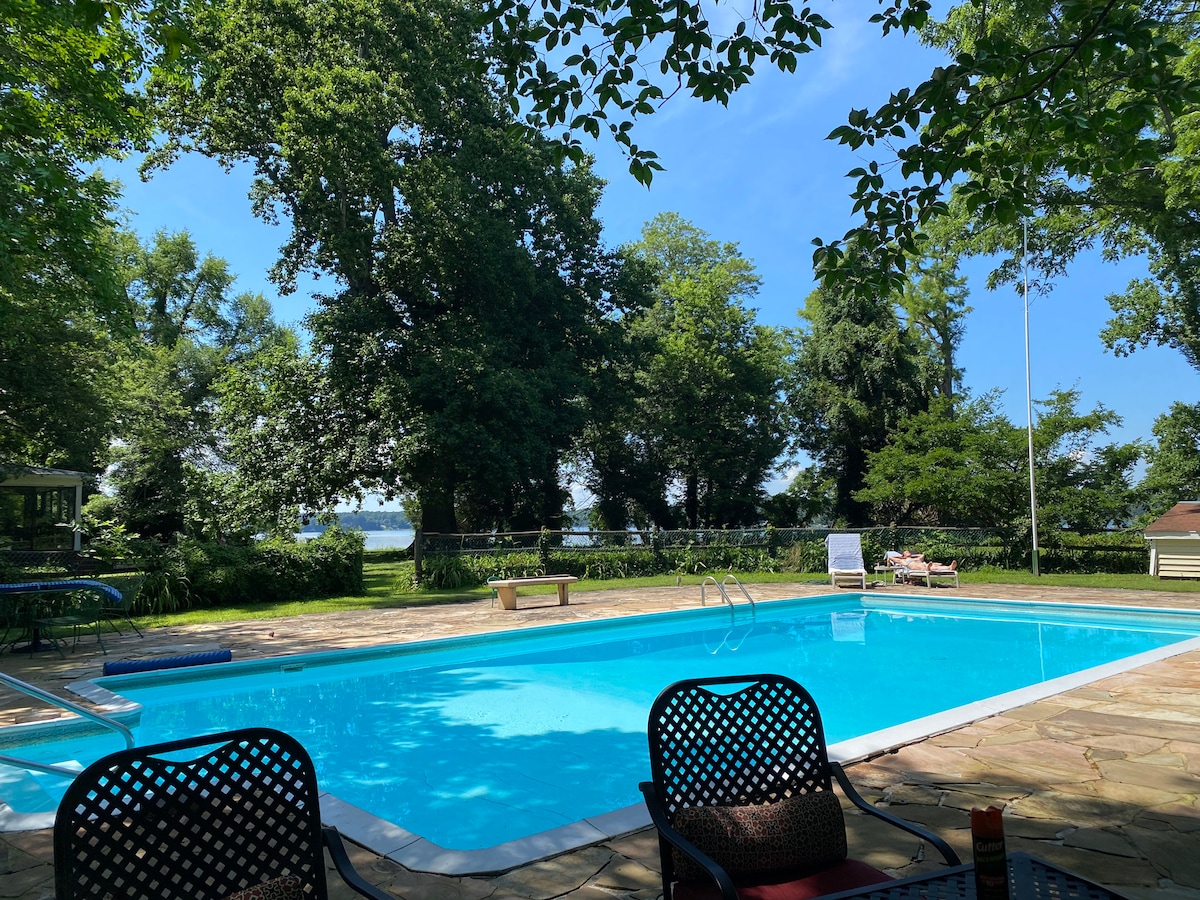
[{"x": 480, "y": 349}]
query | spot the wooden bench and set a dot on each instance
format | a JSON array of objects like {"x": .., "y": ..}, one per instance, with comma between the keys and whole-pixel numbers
[{"x": 506, "y": 588}]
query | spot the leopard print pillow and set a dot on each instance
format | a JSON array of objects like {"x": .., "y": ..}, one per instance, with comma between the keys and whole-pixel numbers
[
  {"x": 804, "y": 831},
  {"x": 285, "y": 887}
]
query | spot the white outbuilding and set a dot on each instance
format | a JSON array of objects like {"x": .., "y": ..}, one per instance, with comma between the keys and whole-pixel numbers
[
  {"x": 38, "y": 507},
  {"x": 1175, "y": 542}
]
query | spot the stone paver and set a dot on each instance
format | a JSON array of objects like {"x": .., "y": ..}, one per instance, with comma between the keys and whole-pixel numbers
[{"x": 1103, "y": 779}]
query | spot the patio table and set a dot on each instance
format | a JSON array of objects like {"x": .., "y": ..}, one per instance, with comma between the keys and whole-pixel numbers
[
  {"x": 39, "y": 591},
  {"x": 1029, "y": 878}
]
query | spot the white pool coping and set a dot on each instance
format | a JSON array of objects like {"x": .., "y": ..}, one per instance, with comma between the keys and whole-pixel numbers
[{"x": 420, "y": 855}]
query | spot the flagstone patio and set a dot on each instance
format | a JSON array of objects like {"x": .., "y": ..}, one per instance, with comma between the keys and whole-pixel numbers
[{"x": 1103, "y": 779}]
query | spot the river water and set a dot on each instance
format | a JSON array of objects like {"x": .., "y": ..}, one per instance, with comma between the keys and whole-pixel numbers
[{"x": 376, "y": 540}]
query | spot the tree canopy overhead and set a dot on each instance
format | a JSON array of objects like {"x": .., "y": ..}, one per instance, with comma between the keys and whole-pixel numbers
[
  {"x": 1081, "y": 84},
  {"x": 1127, "y": 184},
  {"x": 603, "y": 73}
]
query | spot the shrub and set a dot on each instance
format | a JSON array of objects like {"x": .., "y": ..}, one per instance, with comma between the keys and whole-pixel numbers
[
  {"x": 450, "y": 572},
  {"x": 405, "y": 581},
  {"x": 166, "y": 588},
  {"x": 459, "y": 571},
  {"x": 807, "y": 556},
  {"x": 1112, "y": 553},
  {"x": 9, "y": 572},
  {"x": 195, "y": 573}
]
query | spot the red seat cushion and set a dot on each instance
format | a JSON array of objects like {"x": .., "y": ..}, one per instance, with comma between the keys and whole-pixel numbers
[{"x": 849, "y": 873}]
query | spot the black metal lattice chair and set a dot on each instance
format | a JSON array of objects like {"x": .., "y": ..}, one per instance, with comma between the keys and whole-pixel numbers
[
  {"x": 742, "y": 794},
  {"x": 231, "y": 815}
]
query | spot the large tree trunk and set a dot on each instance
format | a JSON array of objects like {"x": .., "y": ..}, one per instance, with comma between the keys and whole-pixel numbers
[
  {"x": 437, "y": 508},
  {"x": 947, "y": 351},
  {"x": 850, "y": 479},
  {"x": 551, "y": 497},
  {"x": 691, "y": 500}
]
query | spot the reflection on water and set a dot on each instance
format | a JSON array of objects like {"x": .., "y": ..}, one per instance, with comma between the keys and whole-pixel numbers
[{"x": 848, "y": 626}]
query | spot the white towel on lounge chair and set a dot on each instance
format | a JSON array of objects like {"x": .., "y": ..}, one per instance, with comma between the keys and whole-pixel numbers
[{"x": 846, "y": 559}]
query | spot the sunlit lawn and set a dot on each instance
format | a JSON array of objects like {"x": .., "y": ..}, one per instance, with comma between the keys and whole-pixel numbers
[{"x": 382, "y": 593}]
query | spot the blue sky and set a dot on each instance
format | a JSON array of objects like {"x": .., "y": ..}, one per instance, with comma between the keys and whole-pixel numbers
[{"x": 759, "y": 173}]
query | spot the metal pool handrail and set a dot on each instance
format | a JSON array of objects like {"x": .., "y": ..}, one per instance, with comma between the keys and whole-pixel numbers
[
  {"x": 741, "y": 587},
  {"x": 37, "y": 693},
  {"x": 720, "y": 586}
]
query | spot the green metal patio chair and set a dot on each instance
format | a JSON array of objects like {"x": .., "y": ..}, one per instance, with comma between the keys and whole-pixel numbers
[
  {"x": 130, "y": 586},
  {"x": 15, "y": 619},
  {"x": 84, "y": 610}
]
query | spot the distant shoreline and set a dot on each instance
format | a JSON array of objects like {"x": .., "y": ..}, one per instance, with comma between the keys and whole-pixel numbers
[
  {"x": 366, "y": 520},
  {"x": 376, "y": 538},
  {"x": 319, "y": 529}
]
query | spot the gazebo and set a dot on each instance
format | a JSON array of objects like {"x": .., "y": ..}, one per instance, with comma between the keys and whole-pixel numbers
[
  {"x": 37, "y": 507},
  {"x": 1175, "y": 542}
]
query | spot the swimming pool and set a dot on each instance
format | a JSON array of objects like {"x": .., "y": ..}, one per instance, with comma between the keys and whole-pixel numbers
[{"x": 525, "y": 740}]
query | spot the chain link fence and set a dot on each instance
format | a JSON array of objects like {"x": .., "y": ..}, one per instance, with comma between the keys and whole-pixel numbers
[
  {"x": 764, "y": 537},
  {"x": 459, "y": 559}
]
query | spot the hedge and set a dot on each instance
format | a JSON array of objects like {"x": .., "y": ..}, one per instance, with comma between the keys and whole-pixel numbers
[
  {"x": 1116, "y": 553},
  {"x": 196, "y": 574}
]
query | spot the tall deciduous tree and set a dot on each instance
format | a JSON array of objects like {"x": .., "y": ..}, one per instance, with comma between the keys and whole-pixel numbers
[
  {"x": 708, "y": 418},
  {"x": 472, "y": 292},
  {"x": 625, "y": 472},
  {"x": 292, "y": 439},
  {"x": 167, "y": 465},
  {"x": 953, "y": 467},
  {"x": 968, "y": 467},
  {"x": 1173, "y": 461},
  {"x": 857, "y": 375},
  {"x": 934, "y": 303}
]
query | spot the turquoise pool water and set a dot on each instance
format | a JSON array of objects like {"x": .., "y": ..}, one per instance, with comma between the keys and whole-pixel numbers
[{"x": 471, "y": 742}]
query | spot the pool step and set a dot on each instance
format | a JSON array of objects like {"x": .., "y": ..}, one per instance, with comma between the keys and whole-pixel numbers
[{"x": 32, "y": 792}]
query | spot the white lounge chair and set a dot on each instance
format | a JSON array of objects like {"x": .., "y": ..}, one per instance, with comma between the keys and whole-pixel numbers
[
  {"x": 932, "y": 571},
  {"x": 846, "y": 567}
]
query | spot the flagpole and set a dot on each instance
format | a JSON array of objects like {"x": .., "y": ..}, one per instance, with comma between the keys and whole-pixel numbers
[{"x": 1029, "y": 398}]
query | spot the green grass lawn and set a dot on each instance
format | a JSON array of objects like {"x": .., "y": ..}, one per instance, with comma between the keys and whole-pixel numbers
[{"x": 381, "y": 579}]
